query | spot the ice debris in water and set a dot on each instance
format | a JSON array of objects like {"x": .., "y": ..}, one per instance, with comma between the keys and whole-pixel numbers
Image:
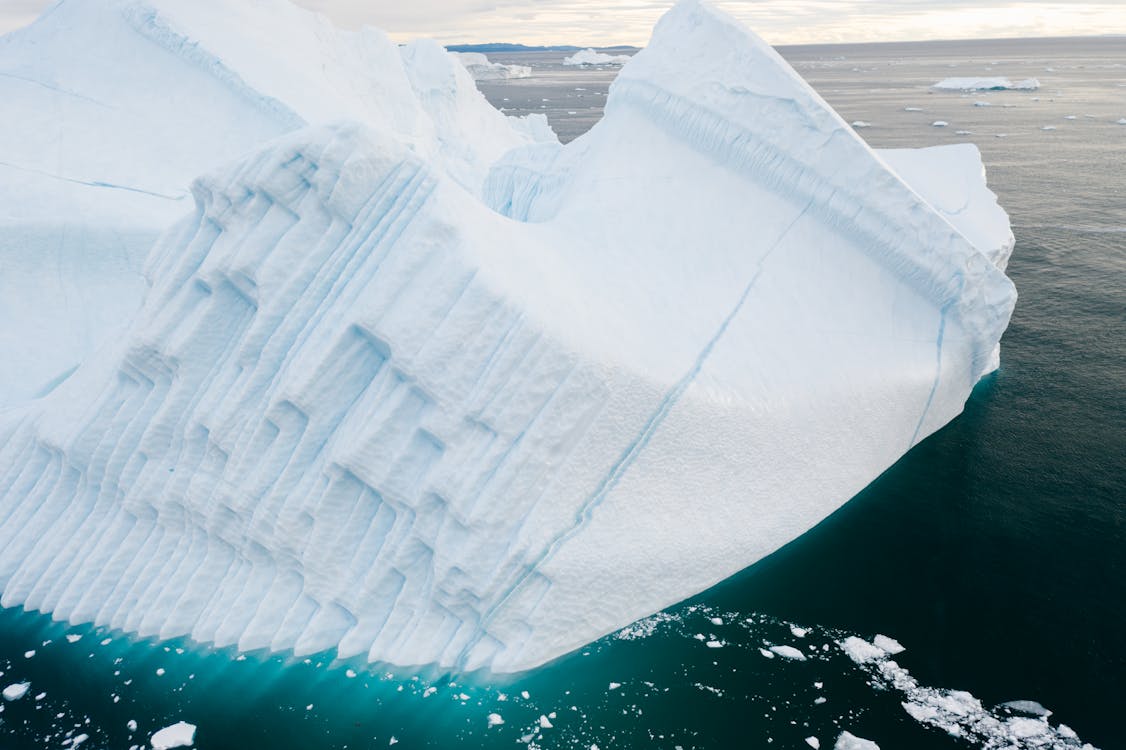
[
  {"x": 788, "y": 652},
  {"x": 593, "y": 58},
  {"x": 348, "y": 372},
  {"x": 180, "y": 734},
  {"x": 494, "y": 720},
  {"x": 16, "y": 691},
  {"x": 890, "y": 645},
  {"x": 849, "y": 741}
]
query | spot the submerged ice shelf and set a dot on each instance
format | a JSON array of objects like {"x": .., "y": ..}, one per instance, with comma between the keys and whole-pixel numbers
[{"x": 385, "y": 402}]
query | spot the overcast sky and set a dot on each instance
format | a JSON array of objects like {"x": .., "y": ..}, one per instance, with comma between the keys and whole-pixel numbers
[{"x": 605, "y": 22}]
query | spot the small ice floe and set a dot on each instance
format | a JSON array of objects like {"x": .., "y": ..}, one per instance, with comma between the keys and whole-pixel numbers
[
  {"x": 131, "y": 725},
  {"x": 1070, "y": 117},
  {"x": 982, "y": 104},
  {"x": 16, "y": 691},
  {"x": 861, "y": 124},
  {"x": 912, "y": 109},
  {"x": 545, "y": 723},
  {"x": 392, "y": 741},
  {"x": 429, "y": 692},
  {"x": 716, "y": 620},
  {"x": 78, "y": 740},
  {"x": 860, "y": 650},
  {"x": 799, "y": 632},
  {"x": 1122, "y": 121},
  {"x": 963, "y": 132},
  {"x": 766, "y": 653},
  {"x": 890, "y": 645},
  {"x": 73, "y": 638},
  {"x": 350, "y": 674},
  {"x": 29, "y": 654},
  {"x": 1028, "y": 708},
  {"x": 986, "y": 84},
  {"x": 714, "y": 644},
  {"x": 939, "y": 124},
  {"x": 615, "y": 685},
  {"x": 160, "y": 671},
  {"x": 525, "y": 694},
  {"x": 848, "y": 741},
  {"x": 1048, "y": 127},
  {"x": 788, "y": 652},
  {"x": 494, "y": 720},
  {"x": 180, "y": 734},
  {"x": 813, "y": 742}
]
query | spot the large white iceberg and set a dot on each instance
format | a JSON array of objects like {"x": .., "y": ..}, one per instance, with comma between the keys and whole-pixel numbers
[{"x": 373, "y": 407}]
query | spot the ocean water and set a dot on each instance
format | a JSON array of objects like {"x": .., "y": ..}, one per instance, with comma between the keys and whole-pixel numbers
[{"x": 995, "y": 552}]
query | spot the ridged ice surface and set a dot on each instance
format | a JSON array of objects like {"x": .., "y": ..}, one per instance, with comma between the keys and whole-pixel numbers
[
  {"x": 364, "y": 409},
  {"x": 113, "y": 107}
]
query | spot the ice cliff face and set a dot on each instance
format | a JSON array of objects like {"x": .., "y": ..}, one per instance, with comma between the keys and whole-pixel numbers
[
  {"x": 113, "y": 107},
  {"x": 365, "y": 409}
]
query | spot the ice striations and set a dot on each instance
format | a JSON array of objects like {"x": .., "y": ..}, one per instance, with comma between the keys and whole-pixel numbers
[
  {"x": 112, "y": 107},
  {"x": 365, "y": 410}
]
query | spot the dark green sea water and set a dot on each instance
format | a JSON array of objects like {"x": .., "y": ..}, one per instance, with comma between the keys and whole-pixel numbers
[{"x": 995, "y": 551}]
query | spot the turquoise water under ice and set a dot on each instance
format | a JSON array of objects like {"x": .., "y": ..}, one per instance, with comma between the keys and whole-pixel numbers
[{"x": 995, "y": 551}]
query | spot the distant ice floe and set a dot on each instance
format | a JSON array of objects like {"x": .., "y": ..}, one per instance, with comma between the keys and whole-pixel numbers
[
  {"x": 1122, "y": 121},
  {"x": 591, "y": 57},
  {"x": 483, "y": 69},
  {"x": 860, "y": 124},
  {"x": 987, "y": 84},
  {"x": 849, "y": 741},
  {"x": 16, "y": 691},
  {"x": 939, "y": 124}
]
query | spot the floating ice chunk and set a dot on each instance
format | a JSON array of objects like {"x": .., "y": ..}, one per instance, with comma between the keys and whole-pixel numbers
[
  {"x": 912, "y": 109},
  {"x": 986, "y": 84},
  {"x": 982, "y": 104},
  {"x": 483, "y": 69},
  {"x": 1048, "y": 127},
  {"x": 859, "y": 650},
  {"x": 1070, "y": 117},
  {"x": 813, "y": 742},
  {"x": 939, "y": 124},
  {"x": 180, "y": 734},
  {"x": 890, "y": 645},
  {"x": 73, "y": 638},
  {"x": 615, "y": 685},
  {"x": 79, "y": 739},
  {"x": 1122, "y": 121},
  {"x": 29, "y": 654},
  {"x": 494, "y": 720},
  {"x": 1029, "y": 708},
  {"x": 799, "y": 632},
  {"x": 131, "y": 725},
  {"x": 766, "y": 653},
  {"x": 861, "y": 124},
  {"x": 849, "y": 741},
  {"x": 16, "y": 691},
  {"x": 716, "y": 620},
  {"x": 714, "y": 644},
  {"x": 544, "y": 722},
  {"x": 591, "y": 57},
  {"x": 788, "y": 652}
]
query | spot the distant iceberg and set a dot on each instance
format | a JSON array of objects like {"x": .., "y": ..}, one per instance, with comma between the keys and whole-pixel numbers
[
  {"x": 483, "y": 69},
  {"x": 591, "y": 57},
  {"x": 987, "y": 84},
  {"x": 423, "y": 388}
]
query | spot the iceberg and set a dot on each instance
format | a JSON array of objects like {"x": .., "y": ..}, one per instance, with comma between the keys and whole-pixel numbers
[
  {"x": 113, "y": 107},
  {"x": 382, "y": 402},
  {"x": 483, "y": 69},
  {"x": 987, "y": 84},
  {"x": 591, "y": 57}
]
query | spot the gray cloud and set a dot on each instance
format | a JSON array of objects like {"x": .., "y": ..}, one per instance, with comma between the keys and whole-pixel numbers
[{"x": 629, "y": 21}]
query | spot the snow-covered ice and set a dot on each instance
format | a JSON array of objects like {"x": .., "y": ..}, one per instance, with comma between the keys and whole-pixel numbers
[
  {"x": 592, "y": 57},
  {"x": 97, "y": 155},
  {"x": 419, "y": 400},
  {"x": 987, "y": 84},
  {"x": 180, "y": 734}
]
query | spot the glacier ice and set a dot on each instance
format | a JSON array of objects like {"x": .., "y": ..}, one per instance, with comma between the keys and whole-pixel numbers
[
  {"x": 421, "y": 404},
  {"x": 112, "y": 107}
]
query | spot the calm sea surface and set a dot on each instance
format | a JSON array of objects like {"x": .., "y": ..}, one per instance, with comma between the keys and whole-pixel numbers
[{"x": 995, "y": 552}]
